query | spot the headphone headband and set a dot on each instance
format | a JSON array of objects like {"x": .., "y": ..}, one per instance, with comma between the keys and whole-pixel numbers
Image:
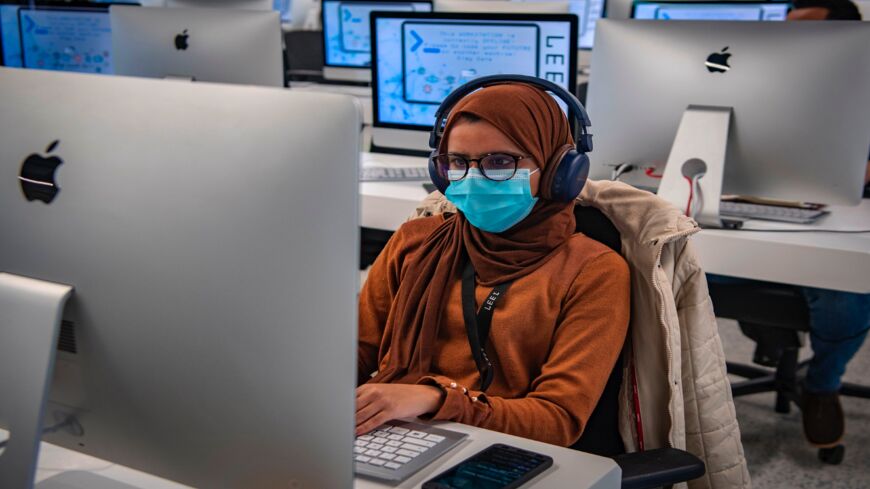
[{"x": 583, "y": 140}]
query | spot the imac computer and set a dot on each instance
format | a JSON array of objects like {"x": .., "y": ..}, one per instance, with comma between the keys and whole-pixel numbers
[
  {"x": 420, "y": 58},
  {"x": 785, "y": 103},
  {"x": 347, "y": 53},
  {"x": 201, "y": 44},
  {"x": 690, "y": 10},
  {"x": 72, "y": 36},
  {"x": 210, "y": 335}
]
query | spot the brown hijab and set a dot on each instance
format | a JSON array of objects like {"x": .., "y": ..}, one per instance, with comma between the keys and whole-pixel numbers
[{"x": 535, "y": 123}]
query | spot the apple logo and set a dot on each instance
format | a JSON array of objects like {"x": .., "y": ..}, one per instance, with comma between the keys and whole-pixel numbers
[
  {"x": 181, "y": 41},
  {"x": 718, "y": 62},
  {"x": 37, "y": 176}
]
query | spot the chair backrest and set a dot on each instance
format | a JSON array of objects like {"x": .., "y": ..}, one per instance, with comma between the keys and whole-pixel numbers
[
  {"x": 303, "y": 54},
  {"x": 601, "y": 434}
]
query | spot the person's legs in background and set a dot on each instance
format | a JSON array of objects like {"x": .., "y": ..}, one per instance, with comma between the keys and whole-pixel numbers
[{"x": 839, "y": 322}]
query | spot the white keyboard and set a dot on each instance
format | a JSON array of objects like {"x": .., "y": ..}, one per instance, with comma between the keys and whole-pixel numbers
[
  {"x": 394, "y": 174},
  {"x": 770, "y": 212},
  {"x": 396, "y": 450}
]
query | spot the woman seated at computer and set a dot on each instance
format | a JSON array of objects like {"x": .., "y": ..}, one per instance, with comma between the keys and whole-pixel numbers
[{"x": 557, "y": 329}]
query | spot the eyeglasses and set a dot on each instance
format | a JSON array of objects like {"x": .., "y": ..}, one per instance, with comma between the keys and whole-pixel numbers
[{"x": 494, "y": 166}]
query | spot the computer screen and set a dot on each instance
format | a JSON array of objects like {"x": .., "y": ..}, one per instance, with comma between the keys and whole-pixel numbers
[
  {"x": 710, "y": 11},
  {"x": 346, "y": 29},
  {"x": 57, "y": 38},
  {"x": 420, "y": 58},
  {"x": 588, "y": 12}
]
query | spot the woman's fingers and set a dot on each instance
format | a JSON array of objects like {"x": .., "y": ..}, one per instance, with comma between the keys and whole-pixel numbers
[{"x": 373, "y": 422}]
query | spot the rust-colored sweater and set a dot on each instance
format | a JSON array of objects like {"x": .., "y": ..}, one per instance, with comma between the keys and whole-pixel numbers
[{"x": 555, "y": 338}]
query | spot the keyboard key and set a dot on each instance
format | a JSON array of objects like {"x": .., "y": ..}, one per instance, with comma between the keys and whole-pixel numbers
[
  {"x": 381, "y": 433},
  {"x": 377, "y": 461},
  {"x": 362, "y": 458},
  {"x": 399, "y": 430},
  {"x": 387, "y": 456},
  {"x": 395, "y": 437},
  {"x": 384, "y": 427},
  {"x": 402, "y": 459},
  {"x": 360, "y": 443},
  {"x": 389, "y": 449},
  {"x": 417, "y": 441},
  {"x": 415, "y": 448},
  {"x": 365, "y": 438},
  {"x": 435, "y": 438},
  {"x": 375, "y": 446},
  {"x": 394, "y": 443},
  {"x": 417, "y": 434},
  {"x": 359, "y": 450},
  {"x": 373, "y": 453},
  {"x": 407, "y": 453},
  {"x": 380, "y": 440},
  {"x": 392, "y": 465}
]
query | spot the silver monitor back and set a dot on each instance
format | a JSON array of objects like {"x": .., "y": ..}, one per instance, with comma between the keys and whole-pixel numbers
[
  {"x": 800, "y": 127},
  {"x": 211, "y": 235},
  {"x": 205, "y": 44}
]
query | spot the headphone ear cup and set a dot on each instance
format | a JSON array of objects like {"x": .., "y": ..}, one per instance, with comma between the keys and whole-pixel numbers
[
  {"x": 440, "y": 182},
  {"x": 570, "y": 176}
]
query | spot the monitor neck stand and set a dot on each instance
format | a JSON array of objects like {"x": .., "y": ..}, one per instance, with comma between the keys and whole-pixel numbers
[
  {"x": 180, "y": 78},
  {"x": 30, "y": 316},
  {"x": 698, "y": 151}
]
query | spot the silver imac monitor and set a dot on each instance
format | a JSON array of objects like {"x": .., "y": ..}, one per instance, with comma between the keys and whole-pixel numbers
[
  {"x": 347, "y": 52},
  {"x": 211, "y": 235},
  {"x": 415, "y": 67},
  {"x": 75, "y": 36},
  {"x": 700, "y": 10},
  {"x": 202, "y": 44},
  {"x": 797, "y": 91}
]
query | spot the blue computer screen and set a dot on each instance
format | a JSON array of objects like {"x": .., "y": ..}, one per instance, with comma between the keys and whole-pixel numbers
[
  {"x": 421, "y": 60},
  {"x": 710, "y": 11},
  {"x": 65, "y": 39},
  {"x": 588, "y": 12},
  {"x": 346, "y": 29}
]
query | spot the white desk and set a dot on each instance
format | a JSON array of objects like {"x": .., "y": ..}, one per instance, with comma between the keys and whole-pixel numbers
[
  {"x": 60, "y": 468},
  {"x": 824, "y": 260}
]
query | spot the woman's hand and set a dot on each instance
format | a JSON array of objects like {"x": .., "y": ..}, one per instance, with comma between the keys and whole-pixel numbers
[{"x": 378, "y": 403}]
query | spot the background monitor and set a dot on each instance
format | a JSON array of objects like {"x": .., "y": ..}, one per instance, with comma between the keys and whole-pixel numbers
[
  {"x": 772, "y": 11},
  {"x": 346, "y": 38},
  {"x": 50, "y": 36},
  {"x": 419, "y": 60},
  {"x": 798, "y": 91},
  {"x": 234, "y": 4},
  {"x": 210, "y": 339},
  {"x": 204, "y": 44},
  {"x": 503, "y": 6},
  {"x": 587, "y": 11}
]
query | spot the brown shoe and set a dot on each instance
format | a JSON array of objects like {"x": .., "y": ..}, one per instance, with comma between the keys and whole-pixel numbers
[{"x": 824, "y": 423}]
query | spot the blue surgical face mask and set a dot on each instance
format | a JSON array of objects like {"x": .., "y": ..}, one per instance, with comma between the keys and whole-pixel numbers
[{"x": 492, "y": 206}]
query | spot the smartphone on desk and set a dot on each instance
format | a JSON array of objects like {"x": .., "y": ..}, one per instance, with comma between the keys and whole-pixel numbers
[{"x": 497, "y": 467}]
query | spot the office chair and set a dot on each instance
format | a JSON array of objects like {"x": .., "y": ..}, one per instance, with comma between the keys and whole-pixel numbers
[
  {"x": 773, "y": 315},
  {"x": 303, "y": 55},
  {"x": 640, "y": 470}
]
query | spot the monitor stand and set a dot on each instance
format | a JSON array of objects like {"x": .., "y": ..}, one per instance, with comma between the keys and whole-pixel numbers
[
  {"x": 698, "y": 152},
  {"x": 30, "y": 316}
]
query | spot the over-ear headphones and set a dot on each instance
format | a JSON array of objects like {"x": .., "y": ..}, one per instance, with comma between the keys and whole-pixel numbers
[{"x": 572, "y": 168}]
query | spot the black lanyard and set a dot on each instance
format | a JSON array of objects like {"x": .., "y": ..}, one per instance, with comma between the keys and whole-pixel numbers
[{"x": 477, "y": 324}]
